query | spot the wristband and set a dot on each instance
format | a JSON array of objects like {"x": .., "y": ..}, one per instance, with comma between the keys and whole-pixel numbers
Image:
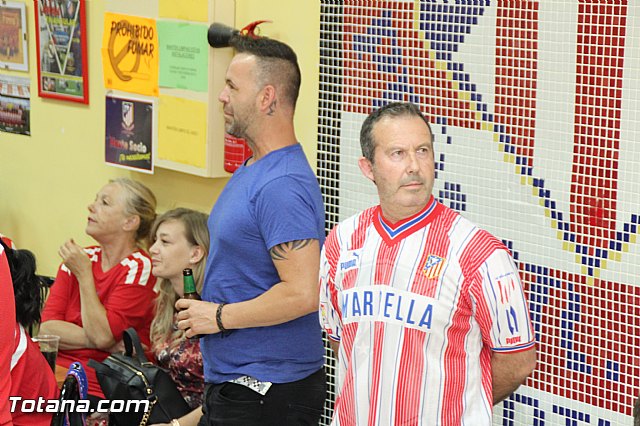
[{"x": 219, "y": 319}]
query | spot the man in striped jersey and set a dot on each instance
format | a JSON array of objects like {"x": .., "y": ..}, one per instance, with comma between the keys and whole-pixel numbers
[{"x": 424, "y": 310}]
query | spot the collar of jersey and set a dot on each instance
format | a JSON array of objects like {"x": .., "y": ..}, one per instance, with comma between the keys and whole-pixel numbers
[{"x": 394, "y": 232}]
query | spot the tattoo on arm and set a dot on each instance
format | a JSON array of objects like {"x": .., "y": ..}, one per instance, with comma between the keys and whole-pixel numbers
[{"x": 279, "y": 252}]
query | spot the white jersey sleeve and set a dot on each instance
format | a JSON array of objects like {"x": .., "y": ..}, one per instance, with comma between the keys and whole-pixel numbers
[
  {"x": 502, "y": 309},
  {"x": 330, "y": 319}
]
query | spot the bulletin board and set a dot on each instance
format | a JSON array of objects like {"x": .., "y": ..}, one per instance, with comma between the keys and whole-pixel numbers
[{"x": 160, "y": 53}]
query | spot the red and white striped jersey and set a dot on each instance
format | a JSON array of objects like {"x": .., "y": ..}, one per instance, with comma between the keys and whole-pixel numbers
[
  {"x": 31, "y": 378},
  {"x": 127, "y": 293},
  {"x": 7, "y": 337},
  {"x": 418, "y": 306}
]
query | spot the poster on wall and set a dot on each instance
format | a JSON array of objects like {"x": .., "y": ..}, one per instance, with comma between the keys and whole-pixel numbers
[
  {"x": 61, "y": 43},
  {"x": 15, "y": 105},
  {"x": 14, "y": 53},
  {"x": 182, "y": 133},
  {"x": 129, "y": 133},
  {"x": 130, "y": 54},
  {"x": 185, "y": 55}
]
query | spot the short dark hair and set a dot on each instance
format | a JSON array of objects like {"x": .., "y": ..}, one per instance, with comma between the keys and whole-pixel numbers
[
  {"x": 276, "y": 60},
  {"x": 393, "y": 109}
]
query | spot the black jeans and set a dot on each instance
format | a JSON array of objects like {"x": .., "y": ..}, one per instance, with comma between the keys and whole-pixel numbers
[{"x": 285, "y": 404}]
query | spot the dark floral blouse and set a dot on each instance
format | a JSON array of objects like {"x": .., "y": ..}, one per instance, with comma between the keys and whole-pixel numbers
[{"x": 184, "y": 363}]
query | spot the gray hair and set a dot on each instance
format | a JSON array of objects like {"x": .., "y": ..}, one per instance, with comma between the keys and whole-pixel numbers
[{"x": 140, "y": 202}]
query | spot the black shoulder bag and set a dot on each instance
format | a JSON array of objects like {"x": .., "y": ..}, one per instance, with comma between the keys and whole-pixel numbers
[{"x": 131, "y": 376}]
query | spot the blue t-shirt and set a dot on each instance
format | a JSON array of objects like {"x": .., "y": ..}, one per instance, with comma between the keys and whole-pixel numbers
[{"x": 275, "y": 200}]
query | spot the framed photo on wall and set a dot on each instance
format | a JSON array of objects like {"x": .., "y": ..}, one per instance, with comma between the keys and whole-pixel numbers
[
  {"x": 14, "y": 54},
  {"x": 61, "y": 41}
]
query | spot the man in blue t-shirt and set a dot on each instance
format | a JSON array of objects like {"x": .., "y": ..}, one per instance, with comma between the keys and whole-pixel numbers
[{"x": 262, "y": 345}]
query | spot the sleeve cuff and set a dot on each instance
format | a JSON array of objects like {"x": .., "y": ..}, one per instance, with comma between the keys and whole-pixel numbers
[{"x": 514, "y": 349}]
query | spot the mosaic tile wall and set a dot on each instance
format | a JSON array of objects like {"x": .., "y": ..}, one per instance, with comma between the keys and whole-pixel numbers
[{"x": 534, "y": 106}]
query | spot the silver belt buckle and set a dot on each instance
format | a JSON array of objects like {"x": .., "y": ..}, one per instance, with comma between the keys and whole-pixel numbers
[{"x": 253, "y": 384}]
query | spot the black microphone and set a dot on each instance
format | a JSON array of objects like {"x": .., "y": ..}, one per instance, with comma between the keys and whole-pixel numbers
[{"x": 219, "y": 35}]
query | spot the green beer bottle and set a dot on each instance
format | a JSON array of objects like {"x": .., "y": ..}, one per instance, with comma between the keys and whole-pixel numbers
[
  {"x": 189, "y": 284},
  {"x": 189, "y": 290}
]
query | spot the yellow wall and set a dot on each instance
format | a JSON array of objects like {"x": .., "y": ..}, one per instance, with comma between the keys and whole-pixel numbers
[{"x": 48, "y": 179}]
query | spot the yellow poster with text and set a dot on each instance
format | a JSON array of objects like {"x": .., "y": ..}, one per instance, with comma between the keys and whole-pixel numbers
[
  {"x": 182, "y": 131},
  {"x": 187, "y": 10},
  {"x": 130, "y": 54}
]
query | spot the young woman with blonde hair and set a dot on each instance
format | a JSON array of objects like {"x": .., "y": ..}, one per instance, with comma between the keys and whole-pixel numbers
[{"x": 180, "y": 240}]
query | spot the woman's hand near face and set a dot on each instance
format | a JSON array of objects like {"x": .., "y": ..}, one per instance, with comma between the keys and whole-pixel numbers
[
  {"x": 75, "y": 259},
  {"x": 95, "y": 322}
]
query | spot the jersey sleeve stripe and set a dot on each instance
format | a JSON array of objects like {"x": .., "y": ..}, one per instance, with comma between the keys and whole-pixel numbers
[
  {"x": 132, "y": 272},
  {"x": 518, "y": 348},
  {"x": 146, "y": 268}
]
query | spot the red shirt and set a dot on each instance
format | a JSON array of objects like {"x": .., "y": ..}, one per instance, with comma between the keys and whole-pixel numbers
[
  {"x": 7, "y": 339},
  {"x": 31, "y": 377},
  {"x": 125, "y": 291},
  {"x": 28, "y": 375}
]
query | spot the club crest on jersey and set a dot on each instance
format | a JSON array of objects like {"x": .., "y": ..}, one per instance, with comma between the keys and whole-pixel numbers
[{"x": 433, "y": 266}]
